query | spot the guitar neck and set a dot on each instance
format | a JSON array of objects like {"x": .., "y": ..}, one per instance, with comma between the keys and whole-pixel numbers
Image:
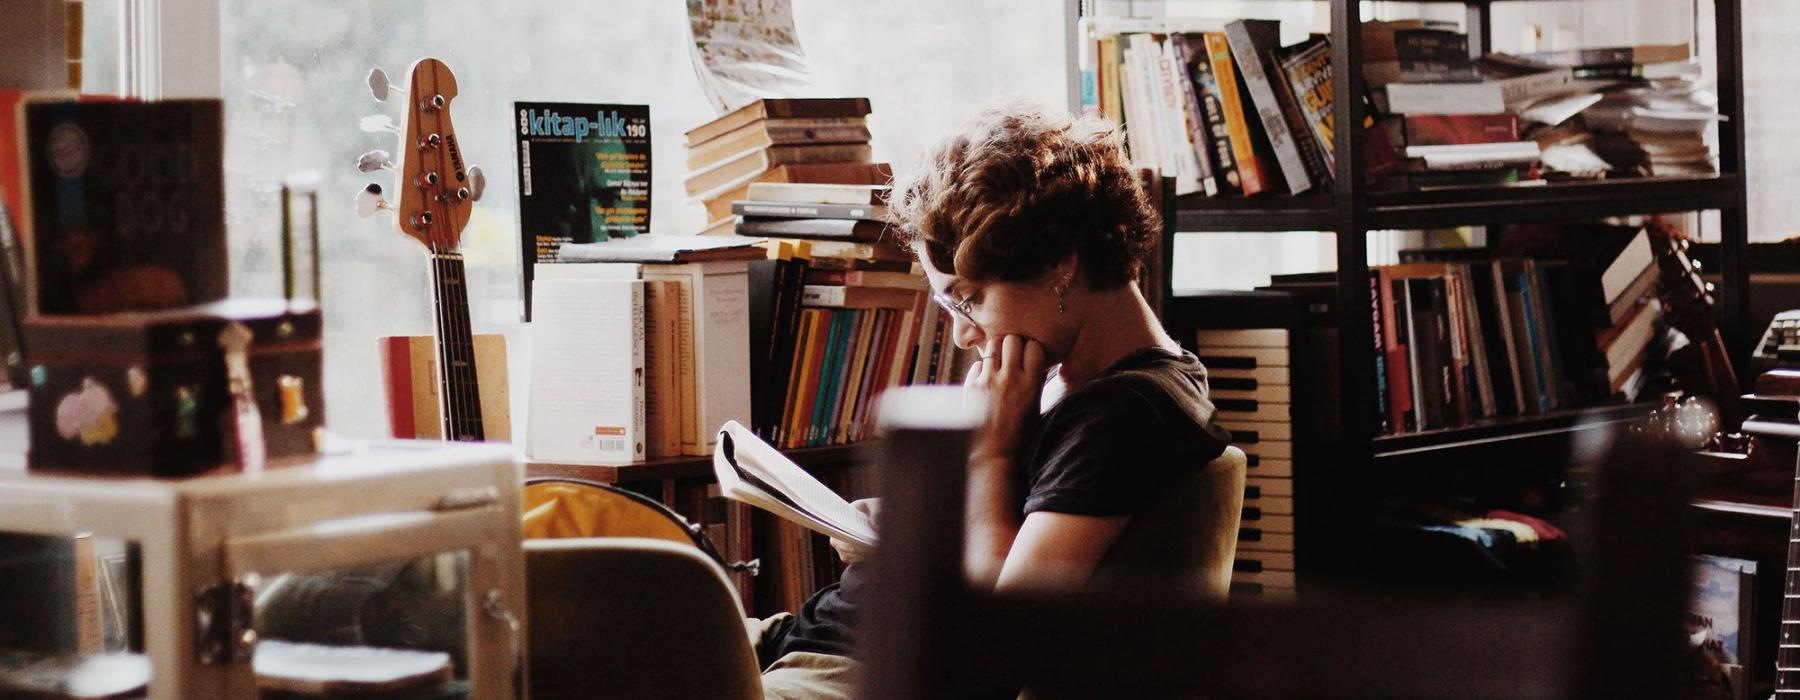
[
  {"x": 1787, "y": 656},
  {"x": 459, "y": 389},
  {"x": 1726, "y": 392}
]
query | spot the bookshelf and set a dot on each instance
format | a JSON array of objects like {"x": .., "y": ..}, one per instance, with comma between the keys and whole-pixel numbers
[
  {"x": 656, "y": 470},
  {"x": 1361, "y": 464}
]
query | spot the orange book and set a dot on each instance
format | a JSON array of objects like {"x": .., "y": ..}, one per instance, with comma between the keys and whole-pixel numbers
[
  {"x": 807, "y": 392},
  {"x": 1254, "y": 173}
]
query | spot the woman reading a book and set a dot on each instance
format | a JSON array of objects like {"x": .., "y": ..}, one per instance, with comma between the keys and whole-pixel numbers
[{"x": 1031, "y": 228}]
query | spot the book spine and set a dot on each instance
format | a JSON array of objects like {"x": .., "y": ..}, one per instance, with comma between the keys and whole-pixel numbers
[
  {"x": 1557, "y": 347},
  {"x": 850, "y": 230},
  {"x": 1399, "y": 354},
  {"x": 1251, "y": 170},
  {"x": 636, "y": 441},
  {"x": 827, "y": 373},
  {"x": 1111, "y": 102},
  {"x": 1383, "y": 414},
  {"x": 685, "y": 369},
  {"x": 1185, "y": 55},
  {"x": 808, "y": 393},
  {"x": 1087, "y": 62},
  {"x": 1176, "y": 136},
  {"x": 1517, "y": 90},
  {"x": 1419, "y": 348},
  {"x": 1431, "y": 45},
  {"x": 655, "y": 401},
  {"x": 1584, "y": 57},
  {"x": 788, "y": 135},
  {"x": 1519, "y": 289},
  {"x": 1252, "y": 43},
  {"x": 1307, "y": 77},
  {"x": 1212, "y": 111},
  {"x": 1475, "y": 342},
  {"x": 796, "y": 377},
  {"x": 859, "y": 375},
  {"x": 824, "y": 295},
  {"x": 1460, "y": 129},
  {"x": 1459, "y": 349},
  {"x": 1444, "y": 98},
  {"x": 807, "y": 211},
  {"x": 722, "y": 352},
  {"x": 792, "y": 327}
]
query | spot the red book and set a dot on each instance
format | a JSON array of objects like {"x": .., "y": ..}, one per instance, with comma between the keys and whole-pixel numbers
[{"x": 1455, "y": 129}]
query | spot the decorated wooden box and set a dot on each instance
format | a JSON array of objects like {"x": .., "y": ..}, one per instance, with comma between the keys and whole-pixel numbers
[{"x": 153, "y": 392}]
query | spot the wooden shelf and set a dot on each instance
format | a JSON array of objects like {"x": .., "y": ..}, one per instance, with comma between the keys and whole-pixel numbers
[
  {"x": 1308, "y": 212},
  {"x": 690, "y": 467},
  {"x": 1556, "y": 423},
  {"x": 1463, "y": 206},
  {"x": 1560, "y": 201}
]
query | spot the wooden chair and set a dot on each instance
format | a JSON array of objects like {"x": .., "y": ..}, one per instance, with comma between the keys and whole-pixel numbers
[
  {"x": 627, "y": 600},
  {"x": 633, "y": 617}
]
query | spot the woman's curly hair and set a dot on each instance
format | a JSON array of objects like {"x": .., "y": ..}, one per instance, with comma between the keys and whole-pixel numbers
[{"x": 1018, "y": 190}]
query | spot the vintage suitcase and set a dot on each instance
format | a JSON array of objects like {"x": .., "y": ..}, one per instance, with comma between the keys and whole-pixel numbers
[{"x": 148, "y": 392}]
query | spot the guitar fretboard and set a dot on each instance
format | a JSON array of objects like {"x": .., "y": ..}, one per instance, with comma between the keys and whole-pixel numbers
[
  {"x": 1787, "y": 661},
  {"x": 461, "y": 393}
]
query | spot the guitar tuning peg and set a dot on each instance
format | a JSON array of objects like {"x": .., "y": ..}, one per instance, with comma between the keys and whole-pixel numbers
[
  {"x": 477, "y": 182},
  {"x": 1709, "y": 287},
  {"x": 380, "y": 86},
  {"x": 1694, "y": 264},
  {"x": 369, "y": 201},
  {"x": 373, "y": 161},
  {"x": 376, "y": 123}
]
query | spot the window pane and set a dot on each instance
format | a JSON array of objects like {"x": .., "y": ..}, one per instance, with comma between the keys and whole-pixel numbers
[{"x": 294, "y": 86}]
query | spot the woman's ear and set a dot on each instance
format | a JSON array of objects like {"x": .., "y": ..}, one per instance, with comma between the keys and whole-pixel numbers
[{"x": 1065, "y": 272}]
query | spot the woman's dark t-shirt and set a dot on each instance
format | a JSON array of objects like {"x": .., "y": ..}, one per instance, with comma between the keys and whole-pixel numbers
[{"x": 1109, "y": 448}]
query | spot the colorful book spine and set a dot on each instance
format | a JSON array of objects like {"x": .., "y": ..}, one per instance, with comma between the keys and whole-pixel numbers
[
  {"x": 1255, "y": 174},
  {"x": 1253, "y": 44}
]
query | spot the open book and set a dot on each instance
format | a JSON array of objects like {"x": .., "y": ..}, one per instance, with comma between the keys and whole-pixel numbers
[{"x": 754, "y": 472}]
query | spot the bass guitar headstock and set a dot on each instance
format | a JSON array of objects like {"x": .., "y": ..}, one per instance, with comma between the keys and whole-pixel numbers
[{"x": 436, "y": 189}]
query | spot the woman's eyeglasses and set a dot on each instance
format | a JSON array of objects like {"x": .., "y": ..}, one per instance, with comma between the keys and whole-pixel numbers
[{"x": 962, "y": 307}]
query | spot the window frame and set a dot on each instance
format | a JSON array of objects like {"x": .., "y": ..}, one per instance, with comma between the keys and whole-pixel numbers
[{"x": 171, "y": 49}]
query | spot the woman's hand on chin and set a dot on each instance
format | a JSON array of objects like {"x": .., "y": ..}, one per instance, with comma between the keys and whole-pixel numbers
[{"x": 1011, "y": 372}]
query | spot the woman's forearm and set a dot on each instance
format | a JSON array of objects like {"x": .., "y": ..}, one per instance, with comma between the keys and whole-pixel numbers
[{"x": 991, "y": 519}]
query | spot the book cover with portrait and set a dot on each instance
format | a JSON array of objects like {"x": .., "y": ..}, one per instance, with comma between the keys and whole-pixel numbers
[{"x": 584, "y": 177}]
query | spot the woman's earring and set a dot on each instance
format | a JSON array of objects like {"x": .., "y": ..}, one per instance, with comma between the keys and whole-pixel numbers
[{"x": 1062, "y": 291}]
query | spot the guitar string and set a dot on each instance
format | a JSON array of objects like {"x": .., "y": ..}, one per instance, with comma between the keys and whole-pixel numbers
[
  {"x": 461, "y": 400},
  {"x": 452, "y": 401},
  {"x": 464, "y": 376}
]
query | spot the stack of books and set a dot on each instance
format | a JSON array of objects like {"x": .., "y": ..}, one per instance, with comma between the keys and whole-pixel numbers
[
  {"x": 813, "y": 140},
  {"x": 1616, "y": 272},
  {"x": 1454, "y": 127},
  {"x": 1657, "y": 129},
  {"x": 840, "y": 327}
]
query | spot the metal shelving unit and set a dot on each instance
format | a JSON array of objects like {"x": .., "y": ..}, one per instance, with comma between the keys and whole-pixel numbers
[{"x": 1351, "y": 210}]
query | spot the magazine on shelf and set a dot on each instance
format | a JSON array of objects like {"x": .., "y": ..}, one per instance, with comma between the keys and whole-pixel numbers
[{"x": 753, "y": 472}]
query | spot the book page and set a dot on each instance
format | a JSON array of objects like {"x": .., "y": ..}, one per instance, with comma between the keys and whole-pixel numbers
[{"x": 739, "y": 448}]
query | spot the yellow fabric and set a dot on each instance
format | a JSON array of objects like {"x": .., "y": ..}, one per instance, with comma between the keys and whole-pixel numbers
[{"x": 555, "y": 509}]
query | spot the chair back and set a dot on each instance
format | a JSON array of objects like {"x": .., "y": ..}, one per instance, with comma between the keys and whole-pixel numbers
[
  {"x": 633, "y": 617},
  {"x": 1188, "y": 538}
]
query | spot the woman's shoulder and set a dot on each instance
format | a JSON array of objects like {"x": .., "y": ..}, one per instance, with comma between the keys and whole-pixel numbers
[{"x": 1145, "y": 377}]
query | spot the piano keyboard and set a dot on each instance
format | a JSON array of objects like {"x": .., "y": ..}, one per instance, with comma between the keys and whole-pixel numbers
[{"x": 1250, "y": 384}]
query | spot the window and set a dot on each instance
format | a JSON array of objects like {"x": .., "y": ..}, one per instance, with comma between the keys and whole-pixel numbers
[
  {"x": 292, "y": 75},
  {"x": 293, "y": 80}
]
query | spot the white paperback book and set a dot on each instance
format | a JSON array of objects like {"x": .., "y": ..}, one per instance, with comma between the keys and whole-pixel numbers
[
  {"x": 587, "y": 372},
  {"x": 754, "y": 472},
  {"x": 715, "y": 353}
]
